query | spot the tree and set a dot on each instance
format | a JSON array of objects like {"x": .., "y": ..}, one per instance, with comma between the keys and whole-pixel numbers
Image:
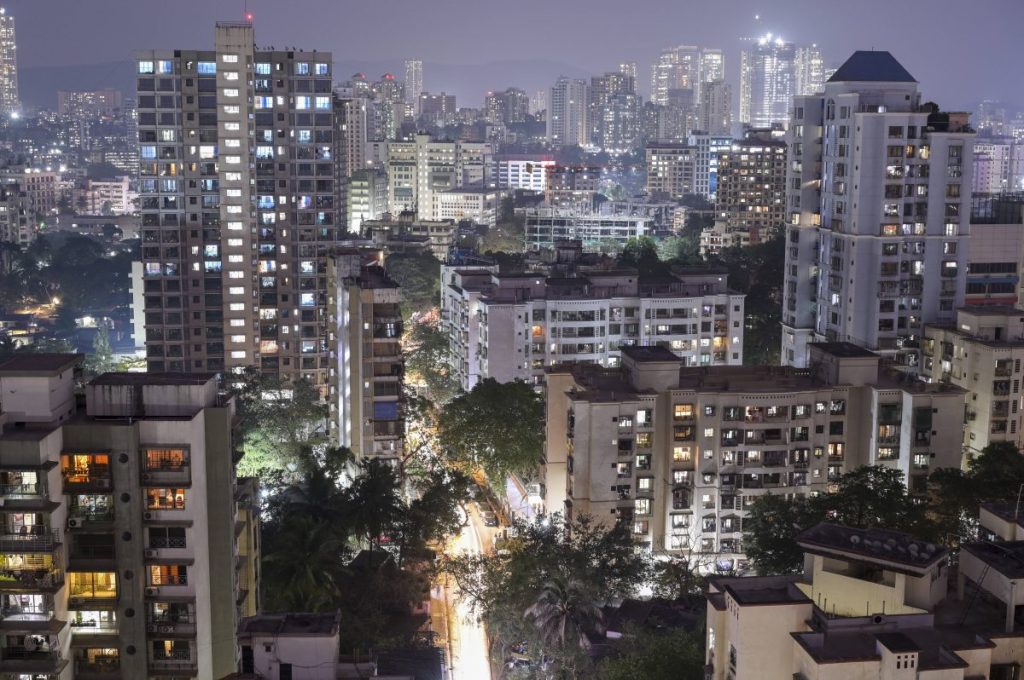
[
  {"x": 101, "y": 360},
  {"x": 427, "y": 357},
  {"x": 565, "y": 614},
  {"x": 642, "y": 255},
  {"x": 601, "y": 562},
  {"x": 419, "y": 275},
  {"x": 770, "y": 530},
  {"x": 374, "y": 503},
  {"x": 670, "y": 655},
  {"x": 496, "y": 426}
]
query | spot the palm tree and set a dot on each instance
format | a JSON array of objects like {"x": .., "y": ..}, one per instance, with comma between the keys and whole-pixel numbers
[
  {"x": 564, "y": 613},
  {"x": 375, "y": 503},
  {"x": 304, "y": 561}
]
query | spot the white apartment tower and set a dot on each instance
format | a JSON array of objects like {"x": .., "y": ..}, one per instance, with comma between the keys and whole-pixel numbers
[
  {"x": 878, "y": 205},
  {"x": 9, "y": 102},
  {"x": 810, "y": 70},
  {"x": 567, "y": 113},
  {"x": 413, "y": 81},
  {"x": 767, "y": 81}
]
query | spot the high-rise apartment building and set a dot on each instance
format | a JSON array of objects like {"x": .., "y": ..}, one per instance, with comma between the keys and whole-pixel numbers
[
  {"x": 613, "y": 112},
  {"x": 422, "y": 166},
  {"x": 678, "y": 170},
  {"x": 366, "y": 385},
  {"x": 878, "y": 198},
  {"x": 350, "y": 116},
  {"x": 995, "y": 250},
  {"x": 711, "y": 69},
  {"x": 82, "y": 103},
  {"x": 438, "y": 109},
  {"x": 751, "y": 192},
  {"x": 679, "y": 454},
  {"x": 768, "y": 82},
  {"x": 413, "y": 81},
  {"x": 366, "y": 197},
  {"x": 238, "y": 202},
  {"x": 10, "y": 103},
  {"x": 628, "y": 68},
  {"x": 17, "y": 218},
  {"x": 389, "y": 106},
  {"x": 677, "y": 68},
  {"x": 128, "y": 544},
  {"x": 509, "y": 106},
  {"x": 714, "y": 114},
  {"x": 512, "y": 327},
  {"x": 810, "y": 70},
  {"x": 567, "y": 113},
  {"x": 998, "y": 165}
]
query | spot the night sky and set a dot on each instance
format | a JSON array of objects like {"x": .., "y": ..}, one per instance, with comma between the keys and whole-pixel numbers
[{"x": 960, "y": 52}]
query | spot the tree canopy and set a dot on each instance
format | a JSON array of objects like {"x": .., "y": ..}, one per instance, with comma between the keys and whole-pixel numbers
[
  {"x": 496, "y": 426},
  {"x": 419, "y": 275}
]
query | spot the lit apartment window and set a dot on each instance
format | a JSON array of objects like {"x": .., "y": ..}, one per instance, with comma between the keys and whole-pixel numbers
[
  {"x": 235, "y": 274},
  {"x": 165, "y": 499},
  {"x": 231, "y": 75},
  {"x": 229, "y": 58},
  {"x": 232, "y": 176},
  {"x": 235, "y": 323},
  {"x": 302, "y": 103},
  {"x": 168, "y": 575},
  {"x": 173, "y": 459},
  {"x": 238, "y": 354},
  {"x": 233, "y": 143},
  {"x": 206, "y": 68},
  {"x": 237, "y": 338},
  {"x": 237, "y": 307},
  {"x": 236, "y": 290},
  {"x": 231, "y": 110},
  {"x": 93, "y": 585},
  {"x": 146, "y": 67}
]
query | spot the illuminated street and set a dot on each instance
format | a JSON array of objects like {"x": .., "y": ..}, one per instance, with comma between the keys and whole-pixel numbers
[{"x": 467, "y": 638}]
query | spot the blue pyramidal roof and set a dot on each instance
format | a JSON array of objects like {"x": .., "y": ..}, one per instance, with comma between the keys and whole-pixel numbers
[{"x": 871, "y": 66}]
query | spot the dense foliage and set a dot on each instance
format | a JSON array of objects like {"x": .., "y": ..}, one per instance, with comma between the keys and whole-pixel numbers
[
  {"x": 496, "y": 426},
  {"x": 419, "y": 275}
]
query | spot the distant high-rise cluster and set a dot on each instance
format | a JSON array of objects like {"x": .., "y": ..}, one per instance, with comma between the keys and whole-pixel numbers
[
  {"x": 9, "y": 101},
  {"x": 413, "y": 81},
  {"x": 567, "y": 113}
]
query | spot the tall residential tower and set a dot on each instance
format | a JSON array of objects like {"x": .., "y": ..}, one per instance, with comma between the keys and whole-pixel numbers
[{"x": 9, "y": 102}]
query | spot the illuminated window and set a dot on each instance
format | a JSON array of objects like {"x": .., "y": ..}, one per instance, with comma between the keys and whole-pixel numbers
[
  {"x": 92, "y": 584},
  {"x": 229, "y": 58},
  {"x": 165, "y": 459},
  {"x": 681, "y": 454},
  {"x": 168, "y": 575},
  {"x": 165, "y": 499},
  {"x": 207, "y": 68},
  {"x": 683, "y": 411}
]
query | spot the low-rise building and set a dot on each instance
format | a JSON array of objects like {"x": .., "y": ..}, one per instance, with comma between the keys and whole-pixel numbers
[
  {"x": 679, "y": 452},
  {"x": 436, "y": 235},
  {"x": 871, "y": 603},
  {"x": 477, "y": 204},
  {"x": 529, "y": 173},
  {"x": 597, "y": 231},
  {"x": 108, "y": 197},
  {"x": 982, "y": 354},
  {"x": 513, "y": 326}
]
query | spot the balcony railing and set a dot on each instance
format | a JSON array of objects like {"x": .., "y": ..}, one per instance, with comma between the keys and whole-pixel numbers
[
  {"x": 94, "y": 478},
  {"x": 166, "y": 474},
  {"x": 98, "y": 667},
  {"x": 31, "y": 578},
  {"x": 29, "y": 539},
  {"x": 20, "y": 490}
]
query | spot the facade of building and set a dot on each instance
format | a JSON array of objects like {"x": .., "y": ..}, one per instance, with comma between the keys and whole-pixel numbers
[
  {"x": 10, "y": 103},
  {"x": 413, "y": 81},
  {"x": 715, "y": 112},
  {"x": 995, "y": 250},
  {"x": 239, "y": 205},
  {"x": 92, "y": 103},
  {"x": 981, "y": 353},
  {"x": 350, "y": 124},
  {"x": 419, "y": 168},
  {"x": 477, "y": 204},
  {"x": 678, "y": 453},
  {"x": 597, "y": 231},
  {"x": 572, "y": 187},
  {"x": 998, "y": 165},
  {"x": 671, "y": 170},
  {"x": 809, "y": 64},
  {"x": 110, "y": 197},
  {"x": 367, "y": 198},
  {"x": 438, "y": 109},
  {"x": 17, "y": 216},
  {"x": 509, "y": 106},
  {"x": 512, "y": 327},
  {"x": 567, "y": 113},
  {"x": 139, "y": 484},
  {"x": 768, "y": 81},
  {"x": 874, "y": 603},
  {"x": 366, "y": 383},
  {"x": 751, "y": 187},
  {"x": 438, "y": 236},
  {"x": 677, "y": 68},
  {"x": 878, "y": 206},
  {"x": 529, "y": 173}
]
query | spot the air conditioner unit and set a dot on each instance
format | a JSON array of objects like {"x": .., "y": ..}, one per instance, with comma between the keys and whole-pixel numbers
[
  {"x": 152, "y": 592},
  {"x": 74, "y": 522},
  {"x": 147, "y": 515},
  {"x": 149, "y": 552},
  {"x": 166, "y": 629}
]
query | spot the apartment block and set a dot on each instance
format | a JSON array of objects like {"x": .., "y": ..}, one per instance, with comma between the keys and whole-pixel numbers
[
  {"x": 123, "y": 523},
  {"x": 996, "y": 250},
  {"x": 981, "y": 353},
  {"x": 872, "y": 603},
  {"x": 751, "y": 187},
  {"x": 419, "y": 168},
  {"x": 878, "y": 198},
  {"x": 366, "y": 199},
  {"x": 524, "y": 172},
  {"x": 239, "y": 206},
  {"x": 572, "y": 187},
  {"x": 17, "y": 217},
  {"x": 679, "y": 453},
  {"x": 366, "y": 330},
  {"x": 671, "y": 170},
  {"x": 478, "y": 205},
  {"x": 514, "y": 326}
]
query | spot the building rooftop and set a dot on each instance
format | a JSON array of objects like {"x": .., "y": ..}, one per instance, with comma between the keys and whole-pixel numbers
[
  {"x": 748, "y": 379},
  {"x": 291, "y": 624},
  {"x": 650, "y": 354},
  {"x": 893, "y": 549},
  {"x": 1006, "y": 557},
  {"x": 26, "y": 364},
  {"x": 758, "y": 590},
  {"x": 845, "y": 350},
  {"x": 872, "y": 66},
  {"x": 153, "y": 379},
  {"x": 992, "y": 310},
  {"x": 898, "y": 642}
]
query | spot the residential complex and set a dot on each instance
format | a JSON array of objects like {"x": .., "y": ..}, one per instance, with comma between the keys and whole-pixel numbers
[
  {"x": 524, "y": 172},
  {"x": 127, "y": 546},
  {"x": 768, "y": 81},
  {"x": 995, "y": 250},
  {"x": 366, "y": 381},
  {"x": 239, "y": 206},
  {"x": 878, "y": 198},
  {"x": 679, "y": 452},
  {"x": 413, "y": 81},
  {"x": 597, "y": 231},
  {"x": 676, "y": 170},
  {"x": 419, "y": 168},
  {"x": 476, "y": 204},
  {"x": 981, "y": 353},
  {"x": 872, "y": 603},
  {"x": 567, "y": 113},
  {"x": 512, "y": 327}
]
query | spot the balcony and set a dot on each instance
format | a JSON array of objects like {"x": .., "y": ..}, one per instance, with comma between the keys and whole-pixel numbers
[
  {"x": 86, "y": 479},
  {"x": 22, "y": 660},
  {"x": 21, "y": 490},
  {"x": 98, "y": 668},
  {"x": 79, "y": 518},
  {"x": 176, "y": 662},
  {"x": 29, "y": 539},
  {"x": 37, "y": 580},
  {"x": 166, "y": 475}
]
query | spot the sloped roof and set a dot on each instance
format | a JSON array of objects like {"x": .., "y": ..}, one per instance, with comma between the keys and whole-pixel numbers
[{"x": 872, "y": 66}]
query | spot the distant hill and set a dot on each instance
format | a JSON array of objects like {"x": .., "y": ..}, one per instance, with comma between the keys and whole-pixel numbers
[{"x": 468, "y": 82}]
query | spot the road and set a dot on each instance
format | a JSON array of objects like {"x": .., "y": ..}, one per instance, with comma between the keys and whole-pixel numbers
[{"x": 466, "y": 636}]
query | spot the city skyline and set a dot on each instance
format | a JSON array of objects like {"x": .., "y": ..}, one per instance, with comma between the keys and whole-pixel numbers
[{"x": 576, "y": 43}]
